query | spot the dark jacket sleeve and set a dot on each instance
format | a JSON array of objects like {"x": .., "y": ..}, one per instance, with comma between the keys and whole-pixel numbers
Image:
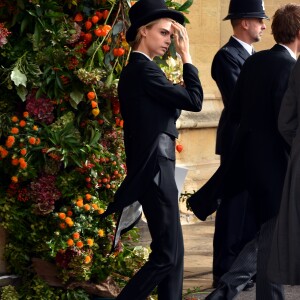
[
  {"x": 225, "y": 71},
  {"x": 188, "y": 98}
]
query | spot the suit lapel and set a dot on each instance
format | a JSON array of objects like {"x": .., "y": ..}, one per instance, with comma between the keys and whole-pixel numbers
[{"x": 242, "y": 52}]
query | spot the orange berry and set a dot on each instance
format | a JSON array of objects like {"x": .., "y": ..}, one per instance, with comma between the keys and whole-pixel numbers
[
  {"x": 95, "y": 112},
  {"x": 94, "y": 104},
  {"x": 62, "y": 215},
  {"x": 95, "y": 19},
  {"x": 88, "y": 25},
  {"x": 91, "y": 95},
  {"x": 14, "y": 179},
  {"x": 78, "y": 17}
]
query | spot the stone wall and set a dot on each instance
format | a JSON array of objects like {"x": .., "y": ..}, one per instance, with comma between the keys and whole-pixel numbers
[{"x": 207, "y": 33}]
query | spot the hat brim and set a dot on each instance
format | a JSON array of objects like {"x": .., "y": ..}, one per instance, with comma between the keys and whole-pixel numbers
[
  {"x": 158, "y": 14},
  {"x": 258, "y": 15}
]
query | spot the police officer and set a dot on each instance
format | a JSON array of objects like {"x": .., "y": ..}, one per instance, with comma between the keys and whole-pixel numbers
[{"x": 235, "y": 223}]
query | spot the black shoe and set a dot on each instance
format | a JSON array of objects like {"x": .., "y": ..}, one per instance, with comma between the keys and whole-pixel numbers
[
  {"x": 218, "y": 294},
  {"x": 249, "y": 285}
]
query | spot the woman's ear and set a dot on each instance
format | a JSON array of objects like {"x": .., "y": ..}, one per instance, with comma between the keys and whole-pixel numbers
[{"x": 143, "y": 31}]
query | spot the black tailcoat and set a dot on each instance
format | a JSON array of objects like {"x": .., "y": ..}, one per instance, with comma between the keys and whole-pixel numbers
[
  {"x": 259, "y": 157},
  {"x": 150, "y": 105}
]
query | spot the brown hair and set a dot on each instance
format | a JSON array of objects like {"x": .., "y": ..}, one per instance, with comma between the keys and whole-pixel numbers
[{"x": 286, "y": 23}]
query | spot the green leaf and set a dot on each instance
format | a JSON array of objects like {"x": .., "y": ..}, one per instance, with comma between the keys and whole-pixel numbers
[
  {"x": 185, "y": 5},
  {"x": 118, "y": 27}
]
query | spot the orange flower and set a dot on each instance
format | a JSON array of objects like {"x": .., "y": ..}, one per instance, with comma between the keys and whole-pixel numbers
[
  {"x": 3, "y": 152},
  {"x": 10, "y": 141},
  {"x": 62, "y": 215},
  {"x": 35, "y": 128},
  {"x": 31, "y": 140},
  {"x": 23, "y": 151},
  {"x": 70, "y": 242},
  {"x": 95, "y": 206},
  {"x": 23, "y": 165},
  {"x": 88, "y": 197},
  {"x": 38, "y": 141},
  {"x": 79, "y": 244},
  {"x": 76, "y": 235},
  {"x": 25, "y": 114},
  {"x": 87, "y": 259},
  {"x": 90, "y": 242},
  {"x": 62, "y": 225},
  {"x": 22, "y": 123},
  {"x": 14, "y": 179},
  {"x": 87, "y": 207},
  {"x": 100, "y": 211},
  {"x": 69, "y": 213},
  {"x": 101, "y": 232},
  {"x": 14, "y": 130},
  {"x": 15, "y": 161},
  {"x": 79, "y": 203},
  {"x": 69, "y": 221},
  {"x": 14, "y": 119}
]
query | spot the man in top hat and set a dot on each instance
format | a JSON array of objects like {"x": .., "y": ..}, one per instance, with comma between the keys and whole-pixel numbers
[
  {"x": 150, "y": 105},
  {"x": 235, "y": 223}
]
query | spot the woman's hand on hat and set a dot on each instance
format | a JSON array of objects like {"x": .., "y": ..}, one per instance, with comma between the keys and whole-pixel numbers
[{"x": 181, "y": 41}]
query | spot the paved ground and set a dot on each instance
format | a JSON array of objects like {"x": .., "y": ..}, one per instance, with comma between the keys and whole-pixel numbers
[{"x": 198, "y": 238}]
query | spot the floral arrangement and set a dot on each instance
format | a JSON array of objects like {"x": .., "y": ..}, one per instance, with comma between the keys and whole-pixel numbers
[{"x": 61, "y": 145}]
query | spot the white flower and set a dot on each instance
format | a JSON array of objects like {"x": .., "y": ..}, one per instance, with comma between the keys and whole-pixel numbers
[{"x": 17, "y": 77}]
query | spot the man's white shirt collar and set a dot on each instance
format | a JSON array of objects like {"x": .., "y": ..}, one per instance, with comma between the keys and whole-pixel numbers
[
  {"x": 248, "y": 47},
  {"x": 290, "y": 51}
]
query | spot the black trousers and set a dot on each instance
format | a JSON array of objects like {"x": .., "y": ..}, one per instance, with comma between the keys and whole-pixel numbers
[
  {"x": 245, "y": 266},
  {"x": 235, "y": 226},
  {"x": 164, "y": 269}
]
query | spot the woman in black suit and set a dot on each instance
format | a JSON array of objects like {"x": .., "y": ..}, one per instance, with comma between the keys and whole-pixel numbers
[{"x": 150, "y": 106}]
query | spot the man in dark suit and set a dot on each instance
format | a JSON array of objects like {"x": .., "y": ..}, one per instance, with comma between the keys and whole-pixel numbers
[
  {"x": 259, "y": 155},
  {"x": 235, "y": 224},
  {"x": 150, "y": 105}
]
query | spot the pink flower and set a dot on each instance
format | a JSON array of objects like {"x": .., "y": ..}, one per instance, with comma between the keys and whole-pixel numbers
[{"x": 3, "y": 34}]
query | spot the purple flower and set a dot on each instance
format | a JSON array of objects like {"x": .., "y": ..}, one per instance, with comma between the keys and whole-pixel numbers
[{"x": 40, "y": 109}]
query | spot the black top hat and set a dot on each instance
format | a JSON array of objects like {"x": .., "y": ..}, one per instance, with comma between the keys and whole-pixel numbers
[
  {"x": 145, "y": 11},
  {"x": 240, "y": 9}
]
